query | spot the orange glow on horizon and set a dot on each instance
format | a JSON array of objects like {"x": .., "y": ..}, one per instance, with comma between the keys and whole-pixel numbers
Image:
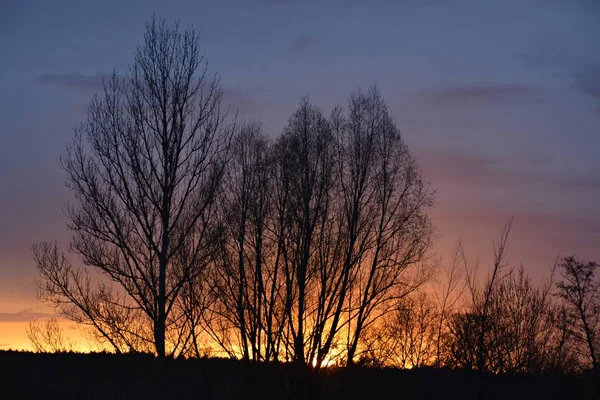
[{"x": 13, "y": 336}]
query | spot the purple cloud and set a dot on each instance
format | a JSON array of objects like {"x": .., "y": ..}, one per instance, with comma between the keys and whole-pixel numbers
[
  {"x": 462, "y": 167},
  {"x": 483, "y": 93},
  {"x": 305, "y": 42},
  {"x": 278, "y": 2},
  {"x": 588, "y": 82},
  {"x": 260, "y": 89},
  {"x": 244, "y": 100},
  {"x": 585, "y": 75},
  {"x": 565, "y": 231},
  {"x": 24, "y": 316},
  {"x": 420, "y": 3},
  {"x": 72, "y": 80},
  {"x": 469, "y": 168},
  {"x": 544, "y": 58}
]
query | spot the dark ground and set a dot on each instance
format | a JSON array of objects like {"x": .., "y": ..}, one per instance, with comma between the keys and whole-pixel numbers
[{"x": 106, "y": 376}]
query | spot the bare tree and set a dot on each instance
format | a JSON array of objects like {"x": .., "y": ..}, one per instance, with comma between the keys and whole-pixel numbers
[
  {"x": 510, "y": 325},
  {"x": 305, "y": 158},
  {"x": 580, "y": 291},
  {"x": 385, "y": 204},
  {"x": 413, "y": 329},
  {"x": 450, "y": 295},
  {"x": 247, "y": 276},
  {"x": 563, "y": 356},
  {"x": 526, "y": 332},
  {"x": 342, "y": 234},
  {"x": 481, "y": 298},
  {"x": 469, "y": 345},
  {"x": 145, "y": 168},
  {"x": 521, "y": 325},
  {"x": 349, "y": 223},
  {"x": 48, "y": 337}
]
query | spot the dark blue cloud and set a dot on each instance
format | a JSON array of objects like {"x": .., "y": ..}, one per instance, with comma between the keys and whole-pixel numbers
[
  {"x": 484, "y": 93},
  {"x": 279, "y": 2},
  {"x": 585, "y": 74},
  {"x": 305, "y": 42},
  {"x": 588, "y": 81},
  {"x": 260, "y": 89}
]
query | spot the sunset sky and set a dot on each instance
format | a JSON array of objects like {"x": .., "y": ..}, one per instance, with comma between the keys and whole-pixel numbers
[{"x": 499, "y": 101}]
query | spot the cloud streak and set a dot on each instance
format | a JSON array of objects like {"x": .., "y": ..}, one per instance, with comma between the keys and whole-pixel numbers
[
  {"x": 483, "y": 93},
  {"x": 281, "y": 2},
  {"x": 72, "y": 80},
  {"x": 469, "y": 168},
  {"x": 588, "y": 82},
  {"x": 305, "y": 42},
  {"x": 245, "y": 101},
  {"x": 26, "y": 315},
  {"x": 585, "y": 74}
]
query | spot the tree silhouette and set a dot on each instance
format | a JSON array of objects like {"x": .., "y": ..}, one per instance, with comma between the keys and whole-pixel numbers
[
  {"x": 305, "y": 163},
  {"x": 510, "y": 325},
  {"x": 48, "y": 337},
  {"x": 145, "y": 168},
  {"x": 323, "y": 229},
  {"x": 580, "y": 291},
  {"x": 448, "y": 299},
  {"x": 246, "y": 279},
  {"x": 385, "y": 200}
]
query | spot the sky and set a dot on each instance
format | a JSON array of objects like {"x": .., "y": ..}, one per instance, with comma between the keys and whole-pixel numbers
[{"x": 498, "y": 100}]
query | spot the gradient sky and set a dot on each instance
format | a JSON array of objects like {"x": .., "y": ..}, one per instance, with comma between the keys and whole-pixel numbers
[{"x": 499, "y": 100}]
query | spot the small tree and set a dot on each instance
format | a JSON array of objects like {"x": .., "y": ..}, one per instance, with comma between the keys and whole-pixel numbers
[
  {"x": 449, "y": 296},
  {"x": 511, "y": 325},
  {"x": 414, "y": 327},
  {"x": 48, "y": 337},
  {"x": 580, "y": 291},
  {"x": 471, "y": 329}
]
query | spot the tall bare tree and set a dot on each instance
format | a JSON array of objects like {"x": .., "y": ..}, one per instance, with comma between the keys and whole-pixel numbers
[
  {"x": 385, "y": 204},
  {"x": 353, "y": 211},
  {"x": 246, "y": 276},
  {"x": 145, "y": 168},
  {"x": 305, "y": 158}
]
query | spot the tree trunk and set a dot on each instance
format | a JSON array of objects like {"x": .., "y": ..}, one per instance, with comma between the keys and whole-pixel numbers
[{"x": 159, "y": 324}]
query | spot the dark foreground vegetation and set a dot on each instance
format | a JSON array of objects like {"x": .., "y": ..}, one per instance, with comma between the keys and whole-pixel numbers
[{"x": 138, "y": 376}]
